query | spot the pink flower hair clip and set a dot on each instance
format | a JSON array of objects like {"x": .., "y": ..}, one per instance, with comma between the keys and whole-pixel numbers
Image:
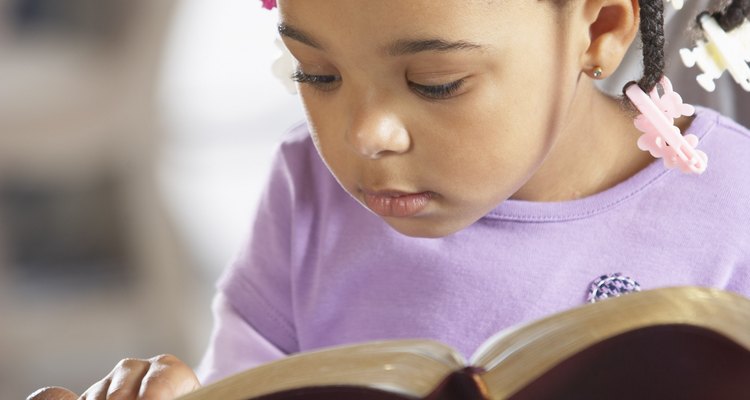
[
  {"x": 269, "y": 4},
  {"x": 660, "y": 137}
]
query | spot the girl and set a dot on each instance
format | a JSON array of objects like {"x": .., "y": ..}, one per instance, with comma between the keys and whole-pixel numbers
[{"x": 458, "y": 174}]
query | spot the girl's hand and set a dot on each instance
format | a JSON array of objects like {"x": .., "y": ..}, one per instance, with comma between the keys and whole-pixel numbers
[
  {"x": 53, "y": 393},
  {"x": 162, "y": 377}
]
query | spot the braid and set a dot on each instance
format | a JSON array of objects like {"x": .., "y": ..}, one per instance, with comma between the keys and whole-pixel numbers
[
  {"x": 732, "y": 16},
  {"x": 652, "y": 36}
]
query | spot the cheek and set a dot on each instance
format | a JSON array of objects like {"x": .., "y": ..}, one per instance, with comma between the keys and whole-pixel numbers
[
  {"x": 324, "y": 120},
  {"x": 534, "y": 92},
  {"x": 320, "y": 115},
  {"x": 316, "y": 120},
  {"x": 499, "y": 128}
]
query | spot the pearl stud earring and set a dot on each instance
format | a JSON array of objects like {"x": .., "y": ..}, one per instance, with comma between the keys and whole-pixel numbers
[{"x": 597, "y": 72}]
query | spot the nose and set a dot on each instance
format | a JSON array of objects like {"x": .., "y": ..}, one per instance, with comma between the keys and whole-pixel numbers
[{"x": 375, "y": 133}]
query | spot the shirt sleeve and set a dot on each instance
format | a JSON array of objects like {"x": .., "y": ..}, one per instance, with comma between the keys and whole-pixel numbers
[
  {"x": 234, "y": 345},
  {"x": 253, "y": 310}
]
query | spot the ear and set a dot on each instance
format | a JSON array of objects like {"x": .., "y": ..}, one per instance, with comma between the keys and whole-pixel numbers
[{"x": 612, "y": 27}]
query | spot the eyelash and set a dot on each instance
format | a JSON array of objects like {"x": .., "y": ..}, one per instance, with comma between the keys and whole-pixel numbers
[
  {"x": 438, "y": 92},
  {"x": 432, "y": 92},
  {"x": 322, "y": 82}
]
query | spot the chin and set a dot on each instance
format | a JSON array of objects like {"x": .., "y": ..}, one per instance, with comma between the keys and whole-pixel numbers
[{"x": 425, "y": 228}]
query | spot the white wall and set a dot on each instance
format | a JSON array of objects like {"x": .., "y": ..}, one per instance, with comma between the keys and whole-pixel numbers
[{"x": 224, "y": 112}]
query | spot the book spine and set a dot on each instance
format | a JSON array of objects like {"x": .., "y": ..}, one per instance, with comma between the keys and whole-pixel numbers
[{"x": 464, "y": 384}]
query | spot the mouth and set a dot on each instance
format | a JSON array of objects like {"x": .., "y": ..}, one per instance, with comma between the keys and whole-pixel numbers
[{"x": 392, "y": 203}]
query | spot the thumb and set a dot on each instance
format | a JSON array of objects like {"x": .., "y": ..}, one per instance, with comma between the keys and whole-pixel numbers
[{"x": 53, "y": 393}]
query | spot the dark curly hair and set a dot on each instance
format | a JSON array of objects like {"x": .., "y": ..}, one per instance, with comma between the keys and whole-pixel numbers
[
  {"x": 652, "y": 35},
  {"x": 733, "y": 15}
]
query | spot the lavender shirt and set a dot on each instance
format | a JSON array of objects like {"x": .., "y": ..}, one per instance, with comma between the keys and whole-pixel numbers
[{"x": 319, "y": 269}]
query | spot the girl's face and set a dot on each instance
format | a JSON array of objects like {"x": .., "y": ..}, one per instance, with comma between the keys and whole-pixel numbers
[{"x": 431, "y": 113}]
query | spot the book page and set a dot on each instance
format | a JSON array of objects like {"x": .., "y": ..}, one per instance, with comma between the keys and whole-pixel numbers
[
  {"x": 657, "y": 362},
  {"x": 408, "y": 367},
  {"x": 515, "y": 357}
]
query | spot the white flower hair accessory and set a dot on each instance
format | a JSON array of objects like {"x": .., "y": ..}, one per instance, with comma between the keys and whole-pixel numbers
[
  {"x": 283, "y": 67},
  {"x": 719, "y": 51},
  {"x": 677, "y": 4}
]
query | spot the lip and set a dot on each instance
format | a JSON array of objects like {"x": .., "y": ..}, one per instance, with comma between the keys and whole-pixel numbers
[{"x": 394, "y": 203}]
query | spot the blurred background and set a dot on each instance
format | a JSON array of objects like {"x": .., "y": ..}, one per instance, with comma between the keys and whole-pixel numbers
[{"x": 135, "y": 137}]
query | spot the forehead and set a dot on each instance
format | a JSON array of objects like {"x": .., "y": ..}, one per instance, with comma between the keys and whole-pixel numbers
[
  {"x": 416, "y": 9},
  {"x": 363, "y": 22}
]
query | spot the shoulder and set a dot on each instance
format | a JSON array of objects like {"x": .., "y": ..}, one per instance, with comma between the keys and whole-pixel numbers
[
  {"x": 310, "y": 183},
  {"x": 719, "y": 196},
  {"x": 297, "y": 160},
  {"x": 727, "y": 144},
  {"x": 297, "y": 149},
  {"x": 719, "y": 131},
  {"x": 715, "y": 201},
  {"x": 713, "y": 122}
]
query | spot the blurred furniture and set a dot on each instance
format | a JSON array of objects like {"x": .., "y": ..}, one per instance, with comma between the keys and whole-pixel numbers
[{"x": 90, "y": 271}]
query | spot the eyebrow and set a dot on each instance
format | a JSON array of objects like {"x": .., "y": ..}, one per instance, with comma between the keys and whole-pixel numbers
[
  {"x": 296, "y": 34},
  {"x": 404, "y": 47},
  {"x": 398, "y": 48}
]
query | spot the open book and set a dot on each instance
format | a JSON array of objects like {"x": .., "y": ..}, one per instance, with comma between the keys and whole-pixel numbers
[{"x": 671, "y": 343}]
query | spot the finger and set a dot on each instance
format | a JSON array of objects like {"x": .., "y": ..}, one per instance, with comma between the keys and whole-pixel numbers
[
  {"x": 53, "y": 393},
  {"x": 97, "y": 391},
  {"x": 168, "y": 378},
  {"x": 126, "y": 379}
]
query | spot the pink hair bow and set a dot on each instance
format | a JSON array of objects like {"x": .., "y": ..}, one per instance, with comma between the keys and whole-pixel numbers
[
  {"x": 660, "y": 137},
  {"x": 269, "y": 4}
]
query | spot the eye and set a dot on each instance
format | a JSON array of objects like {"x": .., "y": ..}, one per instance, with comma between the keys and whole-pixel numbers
[
  {"x": 321, "y": 82},
  {"x": 437, "y": 92}
]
